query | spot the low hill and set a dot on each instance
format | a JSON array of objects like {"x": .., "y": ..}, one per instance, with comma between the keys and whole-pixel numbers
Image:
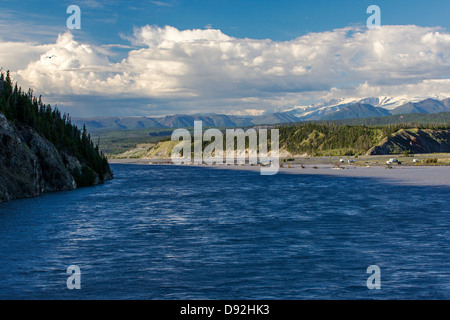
[
  {"x": 161, "y": 150},
  {"x": 414, "y": 140},
  {"x": 332, "y": 139},
  {"x": 316, "y": 139}
]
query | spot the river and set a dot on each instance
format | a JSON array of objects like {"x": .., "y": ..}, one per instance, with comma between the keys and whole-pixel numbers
[{"x": 168, "y": 232}]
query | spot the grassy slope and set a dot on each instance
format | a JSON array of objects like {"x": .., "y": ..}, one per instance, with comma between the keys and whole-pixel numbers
[
  {"x": 337, "y": 138},
  {"x": 113, "y": 143}
]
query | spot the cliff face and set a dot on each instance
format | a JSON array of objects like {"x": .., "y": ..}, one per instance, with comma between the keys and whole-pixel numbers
[
  {"x": 30, "y": 165},
  {"x": 417, "y": 141}
]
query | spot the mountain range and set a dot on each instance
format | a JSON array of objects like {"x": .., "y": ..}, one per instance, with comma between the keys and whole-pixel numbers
[{"x": 327, "y": 111}]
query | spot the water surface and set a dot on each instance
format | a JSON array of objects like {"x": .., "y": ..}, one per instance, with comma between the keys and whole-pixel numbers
[{"x": 167, "y": 232}]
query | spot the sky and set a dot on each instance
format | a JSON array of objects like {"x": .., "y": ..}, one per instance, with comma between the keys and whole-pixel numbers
[{"x": 153, "y": 58}]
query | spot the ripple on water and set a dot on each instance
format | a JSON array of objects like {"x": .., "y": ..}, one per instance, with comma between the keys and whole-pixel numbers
[{"x": 164, "y": 232}]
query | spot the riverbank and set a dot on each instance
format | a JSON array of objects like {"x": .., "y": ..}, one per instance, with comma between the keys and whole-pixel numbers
[{"x": 397, "y": 174}]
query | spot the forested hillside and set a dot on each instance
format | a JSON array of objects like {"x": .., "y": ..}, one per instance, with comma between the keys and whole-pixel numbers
[
  {"x": 332, "y": 139},
  {"x": 37, "y": 136}
]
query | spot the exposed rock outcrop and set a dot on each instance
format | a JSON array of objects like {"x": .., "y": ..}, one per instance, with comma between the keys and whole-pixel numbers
[
  {"x": 414, "y": 140},
  {"x": 30, "y": 165}
]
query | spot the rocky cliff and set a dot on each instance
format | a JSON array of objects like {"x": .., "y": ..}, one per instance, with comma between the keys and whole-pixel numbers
[
  {"x": 414, "y": 140},
  {"x": 30, "y": 165}
]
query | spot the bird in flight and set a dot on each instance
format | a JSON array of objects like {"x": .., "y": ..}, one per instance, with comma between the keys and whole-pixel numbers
[{"x": 49, "y": 57}]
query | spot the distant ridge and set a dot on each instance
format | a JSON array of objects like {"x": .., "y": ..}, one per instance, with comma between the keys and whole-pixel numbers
[
  {"x": 181, "y": 121},
  {"x": 358, "y": 110},
  {"x": 417, "y": 118},
  {"x": 210, "y": 120},
  {"x": 331, "y": 111},
  {"x": 425, "y": 106},
  {"x": 275, "y": 118}
]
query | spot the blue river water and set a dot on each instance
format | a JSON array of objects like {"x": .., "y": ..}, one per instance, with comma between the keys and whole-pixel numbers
[{"x": 168, "y": 232}]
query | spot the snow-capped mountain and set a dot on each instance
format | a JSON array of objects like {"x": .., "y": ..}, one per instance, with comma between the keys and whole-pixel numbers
[{"x": 319, "y": 110}]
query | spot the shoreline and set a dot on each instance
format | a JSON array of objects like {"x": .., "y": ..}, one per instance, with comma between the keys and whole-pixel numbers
[{"x": 402, "y": 175}]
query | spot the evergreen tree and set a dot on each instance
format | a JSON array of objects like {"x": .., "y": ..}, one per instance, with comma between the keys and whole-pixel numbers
[{"x": 24, "y": 109}]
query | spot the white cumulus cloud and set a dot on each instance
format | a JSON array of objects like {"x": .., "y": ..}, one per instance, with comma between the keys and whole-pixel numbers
[{"x": 184, "y": 71}]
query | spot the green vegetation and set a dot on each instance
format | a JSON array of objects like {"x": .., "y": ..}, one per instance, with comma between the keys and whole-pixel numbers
[
  {"x": 333, "y": 139},
  {"x": 330, "y": 139},
  {"x": 407, "y": 153},
  {"x": 25, "y": 110},
  {"x": 139, "y": 152},
  {"x": 312, "y": 139},
  {"x": 115, "y": 142}
]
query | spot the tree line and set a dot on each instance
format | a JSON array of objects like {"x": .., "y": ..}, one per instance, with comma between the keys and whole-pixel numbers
[
  {"x": 334, "y": 139},
  {"x": 24, "y": 109}
]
